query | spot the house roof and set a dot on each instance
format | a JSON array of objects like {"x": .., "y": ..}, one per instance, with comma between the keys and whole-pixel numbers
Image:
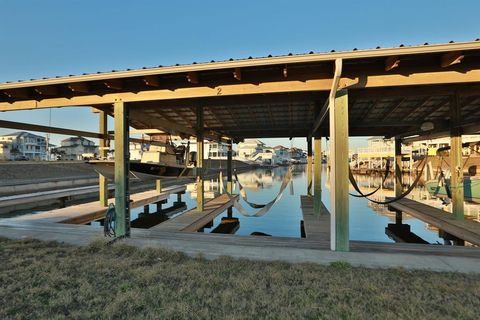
[
  {"x": 22, "y": 134},
  {"x": 76, "y": 139}
]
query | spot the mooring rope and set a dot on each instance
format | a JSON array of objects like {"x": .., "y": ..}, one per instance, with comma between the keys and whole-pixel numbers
[{"x": 109, "y": 223}]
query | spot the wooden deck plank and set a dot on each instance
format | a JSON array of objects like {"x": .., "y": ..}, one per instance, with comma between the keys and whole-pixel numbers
[
  {"x": 467, "y": 230},
  {"x": 47, "y": 195},
  {"x": 317, "y": 227},
  {"x": 193, "y": 220},
  {"x": 86, "y": 212}
]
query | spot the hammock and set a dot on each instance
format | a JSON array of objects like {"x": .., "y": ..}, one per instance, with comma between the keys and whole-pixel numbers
[
  {"x": 403, "y": 195},
  {"x": 387, "y": 171},
  {"x": 264, "y": 207}
]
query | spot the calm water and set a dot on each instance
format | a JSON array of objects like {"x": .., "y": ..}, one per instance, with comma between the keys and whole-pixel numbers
[{"x": 367, "y": 221}]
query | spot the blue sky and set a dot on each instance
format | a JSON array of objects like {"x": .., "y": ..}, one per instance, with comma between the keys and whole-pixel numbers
[{"x": 48, "y": 38}]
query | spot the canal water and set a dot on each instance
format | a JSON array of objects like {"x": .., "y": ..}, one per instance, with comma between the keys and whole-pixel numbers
[{"x": 367, "y": 220}]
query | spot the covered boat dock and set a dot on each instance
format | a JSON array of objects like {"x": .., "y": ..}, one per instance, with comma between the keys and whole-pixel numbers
[{"x": 391, "y": 92}]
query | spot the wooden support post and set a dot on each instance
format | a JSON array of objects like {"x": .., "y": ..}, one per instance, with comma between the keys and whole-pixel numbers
[
  {"x": 309, "y": 166},
  {"x": 229, "y": 167},
  {"x": 158, "y": 185},
  {"x": 146, "y": 209},
  {"x": 398, "y": 167},
  {"x": 102, "y": 180},
  {"x": 317, "y": 175},
  {"x": 456, "y": 160},
  {"x": 200, "y": 146},
  {"x": 398, "y": 176},
  {"x": 122, "y": 159},
  {"x": 339, "y": 224}
]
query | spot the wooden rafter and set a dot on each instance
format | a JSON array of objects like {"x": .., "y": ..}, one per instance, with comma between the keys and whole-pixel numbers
[
  {"x": 451, "y": 58},
  {"x": 392, "y": 110},
  {"x": 81, "y": 87},
  {"x": 237, "y": 74},
  {"x": 151, "y": 81},
  {"x": 47, "y": 90},
  {"x": 115, "y": 84},
  {"x": 192, "y": 77},
  {"x": 17, "y": 93},
  {"x": 392, "y": 62}
]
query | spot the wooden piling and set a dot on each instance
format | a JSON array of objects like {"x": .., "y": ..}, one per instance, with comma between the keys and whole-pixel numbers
[
  {"x": 200, "y": 151},
  {"x": 122, "y": 159},
  {"x": 309, "y": 166},
  {"x": 398, "y": 176},
  {"x": 317, "y": 175},
  {"x": 339, "y": 172},
  {"x": 229, "y": 167},
  {"x": 102, "y": 180},
  {"x": 456, "y": 160}
]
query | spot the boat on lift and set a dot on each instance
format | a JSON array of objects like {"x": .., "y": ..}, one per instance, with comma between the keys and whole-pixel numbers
[
  {"x": 441, "y": 187},
  {"x": 166, "y": 161}
]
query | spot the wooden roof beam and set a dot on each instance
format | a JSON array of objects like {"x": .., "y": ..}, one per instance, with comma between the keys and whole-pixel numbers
[
  {"x": 47, "y": 129},
  {"x": 17, "y": 93},
  {"x": 451, "y": 58},
  {"x": 47, "y": 90},
  {"x": 171, "y": 126},
  {"x": 81, "y": 87},
  {"x": 392, "y": 62},
  {"x": 115, "y": 84},
  {"x": 237, "y": 74},
  {"x": 151, "y": 81},
  {"x": 192, "y": 77},
  {"x": 461, "y": 75}
]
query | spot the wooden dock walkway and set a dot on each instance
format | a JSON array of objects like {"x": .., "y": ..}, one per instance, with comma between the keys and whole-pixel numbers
[
  {"x": 193, "y": 220},
  {"x": 87, "y": 212},
  {"x": 317, "y": 227},
  {"x": 467, "y": 230},
  {"x": 25, "y": 198}
]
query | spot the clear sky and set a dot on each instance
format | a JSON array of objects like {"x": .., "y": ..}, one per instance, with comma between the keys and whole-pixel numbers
[{"x": 61, "y": 37}]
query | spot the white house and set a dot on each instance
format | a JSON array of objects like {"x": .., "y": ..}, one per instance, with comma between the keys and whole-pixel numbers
[
  {"x": 76, "y": 148},
  {"x": 23, "y": 145},
  {"x": 250, "y": 147},
  {"x": 211, "y": 150}
]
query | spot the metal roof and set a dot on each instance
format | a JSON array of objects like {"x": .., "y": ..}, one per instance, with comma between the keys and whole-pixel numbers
[{"x": 250, "y": 62}]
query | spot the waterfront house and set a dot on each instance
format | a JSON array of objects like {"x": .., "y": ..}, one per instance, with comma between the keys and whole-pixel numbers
[
  {"x": 76, "y": 148},
  {"x": 250, "y": 147},
  {"x": 23, "y": 145}
]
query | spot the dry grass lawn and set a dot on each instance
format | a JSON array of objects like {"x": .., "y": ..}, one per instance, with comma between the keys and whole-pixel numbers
[{"x": 46, "y": 280}]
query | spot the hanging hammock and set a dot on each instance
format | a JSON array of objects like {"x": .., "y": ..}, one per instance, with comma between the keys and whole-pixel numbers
[
  {"x": 243, "y": 193},
  {"x": 403, "y": 195},
  {"x": 264, "y": 207},
  {"x": 387, "y": 171}
]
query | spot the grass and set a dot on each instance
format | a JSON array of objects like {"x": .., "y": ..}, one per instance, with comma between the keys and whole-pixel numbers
[{"x": 41, "y": 280}]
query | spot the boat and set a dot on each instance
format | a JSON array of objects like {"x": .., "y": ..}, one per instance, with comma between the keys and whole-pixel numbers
[
  {"x": 471, "y": 187},
  {"x": 168, "y": 161}
]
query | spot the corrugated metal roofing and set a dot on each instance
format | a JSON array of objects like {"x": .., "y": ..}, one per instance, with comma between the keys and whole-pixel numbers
[{"x": 250, "y": 61}]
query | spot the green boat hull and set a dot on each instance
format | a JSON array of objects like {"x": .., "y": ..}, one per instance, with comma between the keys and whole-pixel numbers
[{"x": 471, "y": 186}]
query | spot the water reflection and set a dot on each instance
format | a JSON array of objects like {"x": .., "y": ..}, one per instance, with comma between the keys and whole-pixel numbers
[{"x": 368, "y": 221}]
